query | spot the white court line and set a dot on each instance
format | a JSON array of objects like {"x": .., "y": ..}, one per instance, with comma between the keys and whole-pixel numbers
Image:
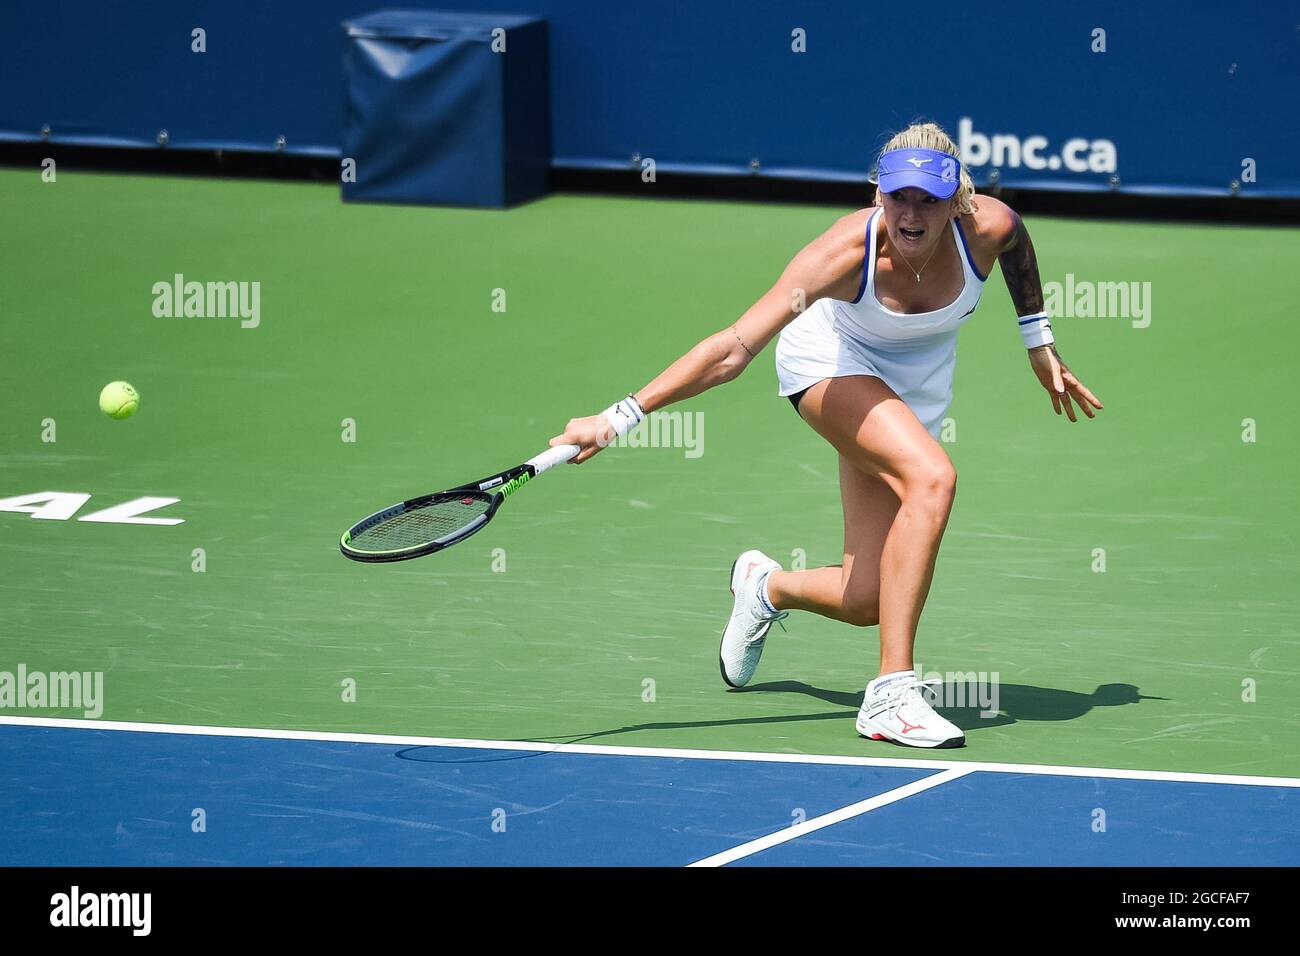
[
  {"x": 1174, "y": 776},
  {"x": 835, "y": 816}
]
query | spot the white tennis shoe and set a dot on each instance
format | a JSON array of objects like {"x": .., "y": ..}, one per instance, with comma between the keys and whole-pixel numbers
[
  {"x": 900, "y": 712},
  {"x": 746, "y": 631}
]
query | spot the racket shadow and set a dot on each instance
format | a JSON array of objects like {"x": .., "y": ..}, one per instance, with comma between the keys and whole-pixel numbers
[
  {"x": 432, "y": 753},
  {"x": 699, "y": 724}
]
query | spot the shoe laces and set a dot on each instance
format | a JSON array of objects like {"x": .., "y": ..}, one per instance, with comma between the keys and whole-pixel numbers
[
  {"x": 764, "y": 624},
  {"x": 909, "y": 692}
]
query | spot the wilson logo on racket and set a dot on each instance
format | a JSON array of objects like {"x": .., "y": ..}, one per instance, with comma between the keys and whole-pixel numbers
[{"x": 510, "y": 487}]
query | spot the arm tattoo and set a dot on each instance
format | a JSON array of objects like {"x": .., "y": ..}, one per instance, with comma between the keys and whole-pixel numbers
[
  {"x": 1020, "y": 270},
  {"x": 742, "y": 342}
]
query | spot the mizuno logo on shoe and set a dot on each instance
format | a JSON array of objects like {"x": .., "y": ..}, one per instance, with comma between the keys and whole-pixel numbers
[{"x": 907, "y": 728}]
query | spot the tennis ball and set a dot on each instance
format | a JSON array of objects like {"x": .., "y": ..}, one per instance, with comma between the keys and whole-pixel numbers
[{"x": 119, "y": 400}]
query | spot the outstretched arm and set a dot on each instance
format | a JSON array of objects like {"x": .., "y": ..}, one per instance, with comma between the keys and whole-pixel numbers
[
  {"x": 820, "y": 269},
  {"x": 1020, "y": 270}
]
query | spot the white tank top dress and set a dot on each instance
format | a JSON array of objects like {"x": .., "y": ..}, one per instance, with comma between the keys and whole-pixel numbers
[{"x": 915, "y": 355}]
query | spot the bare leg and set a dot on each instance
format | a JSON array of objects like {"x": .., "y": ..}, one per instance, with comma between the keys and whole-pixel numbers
[
  {"x": 877, "y": 434},
  {"x": 848, "y": 592}
]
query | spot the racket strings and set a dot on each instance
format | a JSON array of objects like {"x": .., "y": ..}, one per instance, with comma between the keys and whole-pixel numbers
[{"x": 423, "y": 525}]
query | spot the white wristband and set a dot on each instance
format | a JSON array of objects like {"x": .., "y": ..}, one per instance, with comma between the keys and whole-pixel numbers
[
  {"x": 624, "y": 415},
  {"x": 1036, "y": 330}
]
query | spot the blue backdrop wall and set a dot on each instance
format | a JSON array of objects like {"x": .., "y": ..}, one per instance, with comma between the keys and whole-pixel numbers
[{"x": 1187, "y": 97}]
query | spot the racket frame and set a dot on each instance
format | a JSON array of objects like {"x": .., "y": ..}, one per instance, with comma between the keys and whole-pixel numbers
[{"x": 505, "y": 482}]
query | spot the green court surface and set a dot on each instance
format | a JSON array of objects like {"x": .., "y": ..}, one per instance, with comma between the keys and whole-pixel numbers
[{"x": 615, "y": 572}]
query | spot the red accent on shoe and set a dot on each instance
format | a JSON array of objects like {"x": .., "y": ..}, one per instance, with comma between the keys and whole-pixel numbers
[{"x": 909, "y": 727}]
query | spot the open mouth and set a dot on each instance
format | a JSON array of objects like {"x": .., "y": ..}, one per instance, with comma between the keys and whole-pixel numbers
[{"x": 911, "y": 235}]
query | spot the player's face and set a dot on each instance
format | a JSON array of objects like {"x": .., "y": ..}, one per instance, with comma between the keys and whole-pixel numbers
[{"x": 915, "y": 219}]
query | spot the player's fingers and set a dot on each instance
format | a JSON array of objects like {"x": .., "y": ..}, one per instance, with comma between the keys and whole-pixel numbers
[
  {"x": 1056, "y": 401},
  {"x": 593, "y": 445},
  {"x": 1078, "y": 393},
  {"x": 1057, "y": 385},
  {"x": 1082, "y": 390},
  {"x": 570, "y": 437},
  {"x": 1069, "y": 406}
]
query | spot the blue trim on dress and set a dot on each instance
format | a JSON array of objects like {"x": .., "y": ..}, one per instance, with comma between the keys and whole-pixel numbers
[
  {"x": 969, "y": 258},
  {"x": 866, "y": 255}
]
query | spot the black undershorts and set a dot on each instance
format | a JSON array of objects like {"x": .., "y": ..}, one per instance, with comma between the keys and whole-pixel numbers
[{"x": 794, "y": 399}]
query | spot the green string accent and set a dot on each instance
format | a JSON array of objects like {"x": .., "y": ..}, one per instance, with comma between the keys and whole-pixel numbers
[{"x": 511, "y": 486}]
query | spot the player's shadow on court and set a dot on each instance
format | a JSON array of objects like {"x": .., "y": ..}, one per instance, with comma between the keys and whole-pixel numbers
[
  {"x": 975, "y": 705},
  {"x": 1003, "y": 704}
]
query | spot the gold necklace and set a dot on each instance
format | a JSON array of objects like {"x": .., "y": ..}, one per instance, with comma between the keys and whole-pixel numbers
[{"x": 927, "y": 261}]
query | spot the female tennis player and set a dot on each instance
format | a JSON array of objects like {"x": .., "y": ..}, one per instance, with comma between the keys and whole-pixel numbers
[{"x": 869, "y": 365}]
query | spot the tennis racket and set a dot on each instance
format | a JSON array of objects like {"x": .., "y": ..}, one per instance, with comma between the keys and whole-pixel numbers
[{"x": 430, "y": 523}]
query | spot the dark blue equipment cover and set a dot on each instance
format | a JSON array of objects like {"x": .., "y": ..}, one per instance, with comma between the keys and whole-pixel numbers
[{"x": 436, "y": 114}]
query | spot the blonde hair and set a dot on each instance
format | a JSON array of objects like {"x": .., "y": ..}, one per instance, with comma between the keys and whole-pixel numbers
[{"x": 932, "y": 136}]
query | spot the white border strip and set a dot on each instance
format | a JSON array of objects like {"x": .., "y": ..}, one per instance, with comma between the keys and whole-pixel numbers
[
  {"x": 539, "y": 746},
  {"x": 835, "y": 816}
]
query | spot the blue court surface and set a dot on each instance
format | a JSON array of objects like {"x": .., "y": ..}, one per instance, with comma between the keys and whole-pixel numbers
[{"x": 93, "y": 796}]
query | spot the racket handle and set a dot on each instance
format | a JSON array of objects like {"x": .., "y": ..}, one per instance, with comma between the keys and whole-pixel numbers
[{"x": 552, "y": 457}]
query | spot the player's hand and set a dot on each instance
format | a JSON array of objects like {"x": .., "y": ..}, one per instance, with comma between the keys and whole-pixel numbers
[
  {"x": 1061, "y": 383},
  {"x": 591, "y": 433}
]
